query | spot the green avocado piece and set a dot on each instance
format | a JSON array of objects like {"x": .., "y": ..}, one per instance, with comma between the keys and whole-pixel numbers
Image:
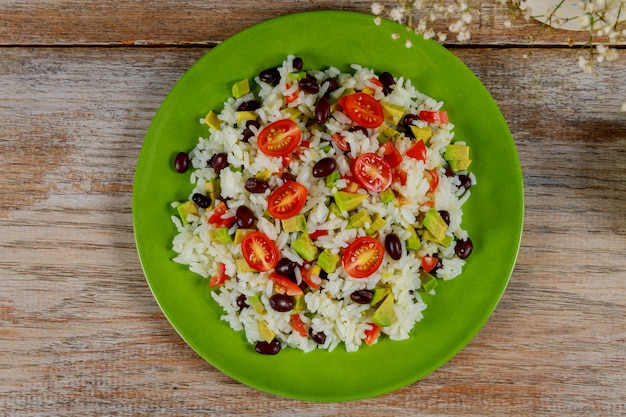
[
  {"x": 379, "y": 294},
  {"x": 384, "y": 315},
  {"x": 212, "y": 120},
  {"x": 376, "y": 224},
  {"x": 333, "y": 209},
  {"x": 298, "y": 302},
  {"x": 434, "y": 223},
  {"x": 332, "y": 178},
  {"x": 265, "y": 332},
  {"x": 241, "y": 88},
  {"x": 296, "y": 75},
  {"x": 185, "y": 209},
  {"x": 445, "y": 242},
  {"x": 305, "y": 247},
  {"x": 413, "y": 242},
  {"x": 328, "y": 261},
  {"x": 256, "y": 303},
  {"x": 242, "y": 266},
  {"x": 241, "y": 233},
  {"x": 348, "y": 201},
  {"x": 428, "y": 281},
  {"x": 422, "y": 133},
  {"x": 386, "y": 133},
  {"x": 359, "y": 219},
  {"x": 294, "y": 224},
  {"x": 220, "y": 236},
  {"x": 459, "y": 165},
  {"x": 393, "y": 113},
  {"x": 456, "y": 152},
  {"x": 387, "y": 196}
]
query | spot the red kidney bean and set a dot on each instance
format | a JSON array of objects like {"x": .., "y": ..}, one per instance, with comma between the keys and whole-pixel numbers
[
  {"x": 464, "y": 248},
  {"x": 268, "y": 348},
  {"x": 324, "y": 167},
  {"x": 220, "y": 161},
  {"x": 242, "y": 302},
  {"x": 322, "y": 111},
  {"x": 409, "y": 119},
  {"x": 332, "y": 86},
  {"x": 445, "y": 215},
  {"x": 201, "y": 200},
  {"x": 182, "y": 162},
  {"x": 297, "y": 64},
  {"x": 245, "y": 217},
  {"x": 285, "y": 267},
  {"x": 281, "y": 302},
  {"x": 270, "y": 76},
  {"x": 317, "y": 337},
  {"x": 393, "y": 246},
  {"x": 250, "y": 105},
  {"x": 256, "y": 185},
  {"x": 466, "y": 181},
  {"x": 387, "y": 80},
  {"x": 309, "y": 85},
  {"x": 247, "y": 131},
  {"x": 362, "y": 296}
]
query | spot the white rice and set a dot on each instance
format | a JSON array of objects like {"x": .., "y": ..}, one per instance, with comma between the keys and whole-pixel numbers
[{"x": 329, "y": 309}]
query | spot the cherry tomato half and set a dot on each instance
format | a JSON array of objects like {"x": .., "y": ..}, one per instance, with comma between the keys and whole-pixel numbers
[
  {"x": 259, "y": 251},
  {"x": 283, "y": 285},
  {"x": 363, "y": 109},
  {"x": 279, "y": 138},
  {"x": 440, "y": 117},
  {"x": 373, "y": 172},
  {"x": 362, "y": 257},
  {"x": 372, "y": 334},
  {"x": 298, "y": 325},
  {"x": 429, "y": 263},
  {"x": 287, "y": 200}
]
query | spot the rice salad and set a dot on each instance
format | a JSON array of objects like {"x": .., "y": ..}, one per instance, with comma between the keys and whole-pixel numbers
[{"x": 324, "y": 204}]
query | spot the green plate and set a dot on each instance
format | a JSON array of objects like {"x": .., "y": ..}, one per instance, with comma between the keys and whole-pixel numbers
[{"x": 493, "y": 216}]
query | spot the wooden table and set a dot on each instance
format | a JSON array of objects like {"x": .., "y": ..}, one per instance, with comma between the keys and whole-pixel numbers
[{"x": 80, "y": 333}]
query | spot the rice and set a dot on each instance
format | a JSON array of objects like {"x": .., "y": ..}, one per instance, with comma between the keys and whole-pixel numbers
[{"x": 329, "y": 315}]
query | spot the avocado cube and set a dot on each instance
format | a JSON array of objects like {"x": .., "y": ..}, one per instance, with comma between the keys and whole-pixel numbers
[
  {"x": 332, "y": 178},
  {"x": 456, "y": 152},
  {"x": 333, "y": 209},
  {"x": 386, "y": 133},
  {"x": 434, "y": 223},
  {"x": 212, "y": 120},
  {"x": 185, "y": 209},
  {"x": 244, "y": 116},
  {"x": 359, "y": 219},
  {"x": 422, "y": 133},
  {"x": 459, "y": 165},
  {"x": 265, "y": 332},
  {"x": 241, "y": 233},
  {"x": 393, "y": 113},
  {"x": 428, "y": 281},
  {"x": 413, "y": 242},
  {"x": 376, "y": 224},
  {"x": 220, "y": 236},
  {"x": 348, "y": 201},
  {"x": 242, "y": 266},
  {"x": 387, "y": 196},
  {"x": 328, "y": 261},
  {"x": 241, "y": 88},
  {"x": 305, "y": 247},
  {"x": 384, "y": 315},
  {"x": 445, "y": 242},
  {"x": 256, "y": 303},
  {"x": 379, "y": 294},
  {"x": 295, "y": 224},
  {"x": 298, "y": 302}
]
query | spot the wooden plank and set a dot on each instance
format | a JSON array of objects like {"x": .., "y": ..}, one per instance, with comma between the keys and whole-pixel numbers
[
  {"x": 80, "y": 333},
  {"x": 202, "y": 22}
]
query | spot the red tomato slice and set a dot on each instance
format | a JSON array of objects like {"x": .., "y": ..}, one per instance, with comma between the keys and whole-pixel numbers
[
  {"x": 429, "y": 263},
  {"x": 259, "y": 251},
  {"x": 433, "y": 180},
  {"x": 311, "y": 280},
  {"x": 440, "y": 117},
  {"x": 279, "y": 138},
  {"x": 362, "y": 257},
  {"x": 221, "y": 276},
  {"x": 363, "y": 109},
  {"x": 340, "y": 142},
  {"x": 283, "y": 285},
  {"x": 287, "y": 200},
  {"x": 373, "y": 172},
  {"x": 372, "y": 334},
  {"x": 418, "y": 151},
  {"x": 216, "y": 218},
  {"x": 391, "y": 154},
  {"x": 298, "y": 325}
]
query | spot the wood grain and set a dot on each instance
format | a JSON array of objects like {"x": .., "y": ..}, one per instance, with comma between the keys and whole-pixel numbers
[
  {"x": 208, "y": 22},
  {"x": 80, "y": 333}
]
